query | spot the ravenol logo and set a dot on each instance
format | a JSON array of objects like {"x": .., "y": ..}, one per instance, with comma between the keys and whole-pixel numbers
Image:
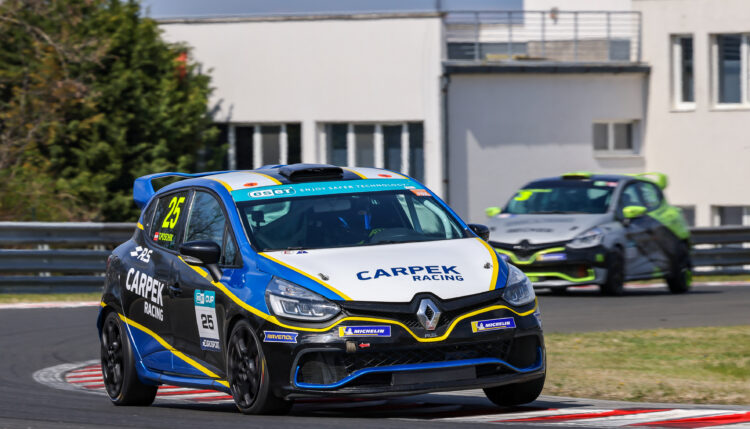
[
  {"x": 279, "y": 337},
  {"x": 205, "y": 298},
  {"x": 492, "y": 324},
  {"x": 364, "y": 331}
]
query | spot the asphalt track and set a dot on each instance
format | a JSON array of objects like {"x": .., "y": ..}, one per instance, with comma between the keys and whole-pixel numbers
[{"x": 33, "y": 339}]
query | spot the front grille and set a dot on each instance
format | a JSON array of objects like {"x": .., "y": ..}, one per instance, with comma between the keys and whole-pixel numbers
[
  {"x": 328, "y": 367},
  {"x": 373, "y": 359},
  {"x": 574, "y": 271},
  {"x": 528, "y": 249}
]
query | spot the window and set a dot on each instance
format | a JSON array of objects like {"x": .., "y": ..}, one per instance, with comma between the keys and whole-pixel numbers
[
  {"x": 252, "y": 146},
  {"x": 731, "y": 215},
  {"x": 682, "y": 68},
  {"x": 615, "y": 136},
  {"x": 688, "y": 213},
  {"x": 168, "y": 219},
  {"x": 208, "y": 222},
  {"x": 397, "y": 147},
  {"x": 729, "y": 71},
  {"x": 630, "y": 197},
  {"x": 651, "y": 195}
]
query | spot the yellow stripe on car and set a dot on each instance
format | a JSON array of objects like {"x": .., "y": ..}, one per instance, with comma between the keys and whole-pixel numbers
[
  {"x": 174, "y": 351},
  {"x": 276, "y": 321},
  {"x": 225, "y": 184},
  {"x": 361, "y": 176},
  {"x": 338, "y": 292},
  {"x": 274, "y": 180},
  {"x": 495, "y": 263}
]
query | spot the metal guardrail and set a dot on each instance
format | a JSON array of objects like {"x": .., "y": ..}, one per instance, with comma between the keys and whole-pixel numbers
[
  {"x": 534, "y": 36},
  {"x": 716, "y": 250}
]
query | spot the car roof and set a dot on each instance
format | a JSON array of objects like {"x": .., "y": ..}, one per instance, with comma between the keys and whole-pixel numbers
[{"x": 272, "y": 175}]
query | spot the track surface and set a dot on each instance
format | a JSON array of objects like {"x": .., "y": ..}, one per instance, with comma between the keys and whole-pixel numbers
[{"x": 33, "y": 339}]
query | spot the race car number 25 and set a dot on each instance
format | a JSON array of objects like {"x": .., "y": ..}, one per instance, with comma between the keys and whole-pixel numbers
[{"x": 205, "y": 317}]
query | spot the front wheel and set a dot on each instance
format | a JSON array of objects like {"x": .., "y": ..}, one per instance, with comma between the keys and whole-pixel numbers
[
  {"x": 613, "y": 284},
  {"x": 515, "y": 394},
  {"x": 247, "y": 372},
  {"x": 118, "y": 366}
]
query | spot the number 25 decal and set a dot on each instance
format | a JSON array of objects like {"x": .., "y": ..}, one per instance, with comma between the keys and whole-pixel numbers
[{"x": 174, "y": 212}]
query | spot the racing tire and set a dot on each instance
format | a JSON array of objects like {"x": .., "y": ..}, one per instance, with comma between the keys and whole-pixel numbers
[
  {"x": 248, "y": 375},
  {"x": 681, "y": 277},
  {"x": 613, "y": 284},
  {"x": 118, "y": 366},
  {"x": 511, "y": 395}
]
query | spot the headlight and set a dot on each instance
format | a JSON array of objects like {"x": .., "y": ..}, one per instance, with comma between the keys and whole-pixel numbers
[
  {"x": 590, "y": 238},
  {"x": 288, "y": 300},
  {"x": 518, "y": 290}
]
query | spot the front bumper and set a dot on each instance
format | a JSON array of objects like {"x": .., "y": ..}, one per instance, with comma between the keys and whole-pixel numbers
[
  {"x": 555, "y": 265},
  {"x": 458, "y": 355}
]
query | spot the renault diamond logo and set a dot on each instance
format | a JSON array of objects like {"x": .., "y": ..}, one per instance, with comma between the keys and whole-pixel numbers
[{"x": 428, "y": 314}]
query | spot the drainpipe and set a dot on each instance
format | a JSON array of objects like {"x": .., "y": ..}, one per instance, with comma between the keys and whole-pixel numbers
[{"x": 445, "y": 81}]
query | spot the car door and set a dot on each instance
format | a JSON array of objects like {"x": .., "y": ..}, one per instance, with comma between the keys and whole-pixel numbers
[
  {"x": 664, "y": 244},
  {"x": 638, "y": 233},
  {"x": 200, "y": 309},
  {"x": 149, "y": 274}
]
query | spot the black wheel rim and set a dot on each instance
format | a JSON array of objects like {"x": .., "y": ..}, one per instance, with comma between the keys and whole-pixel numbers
[
  {"x": 244, "y": 367},
  {"x": 112, "y": 357}
]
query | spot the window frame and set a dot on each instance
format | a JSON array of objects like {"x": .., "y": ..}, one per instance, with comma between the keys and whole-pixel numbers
[
  {"x": 744, "y": 102},
  {"x": 677, "y": 58},
  {"x": 611, "y": 151},
  {"x": 406, "y": 164},
  {"x": 642, "y": 184},
  {"x": 256, "y": 148},
  {"x": 180, "y": 231},
  {"x": 228, "y": 230}
]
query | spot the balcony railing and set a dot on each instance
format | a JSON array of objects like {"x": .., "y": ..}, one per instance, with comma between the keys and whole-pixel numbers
[{"x": 543, "y": 36}]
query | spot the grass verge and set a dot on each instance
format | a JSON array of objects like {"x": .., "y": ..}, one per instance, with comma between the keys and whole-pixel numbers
[
  {"x": 12, "y": 298},
  {"x": 709, "y": 365}
]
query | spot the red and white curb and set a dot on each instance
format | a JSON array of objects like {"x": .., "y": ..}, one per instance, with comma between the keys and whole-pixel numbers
[{"x": 87, "y": 377}]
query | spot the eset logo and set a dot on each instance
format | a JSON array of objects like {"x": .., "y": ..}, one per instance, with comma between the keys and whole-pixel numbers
[{"x": 265, "y": 193}]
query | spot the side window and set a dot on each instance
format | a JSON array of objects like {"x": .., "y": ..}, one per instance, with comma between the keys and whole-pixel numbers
[
  {"x": 169, "y": 217},
  {"x": 651, "y": 195},
  {"x": 207, "y": 221},
  {"x": 630, "y": 197},
  {"x": 148, "y": 215}
]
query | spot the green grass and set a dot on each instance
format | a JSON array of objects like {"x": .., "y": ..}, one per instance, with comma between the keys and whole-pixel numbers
[
  {"x": 691, "y": 365},
  {"x": 12, "y": 298}
]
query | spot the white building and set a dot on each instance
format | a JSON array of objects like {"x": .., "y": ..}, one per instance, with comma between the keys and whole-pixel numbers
[{"x": 477, "y": 104}]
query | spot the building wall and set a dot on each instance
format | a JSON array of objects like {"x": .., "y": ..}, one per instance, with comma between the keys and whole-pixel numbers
[
  {"x": 322, "y": 71},
  {"x": 705, "y": 150},
  {"x": 507, "y": 129}
]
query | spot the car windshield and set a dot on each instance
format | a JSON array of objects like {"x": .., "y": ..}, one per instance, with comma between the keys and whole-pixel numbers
[
  {"x": 345, "y": 220},
  {"x": 563, "y": 196}
]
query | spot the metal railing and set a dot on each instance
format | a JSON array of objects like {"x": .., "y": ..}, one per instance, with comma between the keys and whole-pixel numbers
[
  {"x": 81, "y": 250},
  {"x": 543, "y": 36}
]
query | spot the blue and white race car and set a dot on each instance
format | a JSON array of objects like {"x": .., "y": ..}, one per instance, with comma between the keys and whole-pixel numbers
[{"x": 308, "y": 280}]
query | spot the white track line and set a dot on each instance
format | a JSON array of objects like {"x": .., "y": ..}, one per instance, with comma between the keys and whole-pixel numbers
[{"x": 62, "y": 304}]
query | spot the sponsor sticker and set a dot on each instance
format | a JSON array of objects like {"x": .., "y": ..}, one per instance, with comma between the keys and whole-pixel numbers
[
  {"x": 294, "y": 252},
  {"x": 421, "y": 192},
  {"x": 492, "y": 324},
  {"x": 416, "y": 272},
  {"x": 553, "y": 257},
  {"x": 364, "y": 331},
  {"x": 142, "y": 254},
  {"x": 205, "y": 317},
  {"x": 279, "y": 337},
  {"x": 267, "y": 193},
  {"x": 150, "y": 289}
]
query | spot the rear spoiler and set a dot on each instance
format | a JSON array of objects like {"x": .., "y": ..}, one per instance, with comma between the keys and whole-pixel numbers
[
  {"x": 660, "y": 179},
  {"x": 143, "y": 189}
]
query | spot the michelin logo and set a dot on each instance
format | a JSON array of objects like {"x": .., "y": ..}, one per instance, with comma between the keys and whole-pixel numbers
[
  {"x": 492, "y": 324},
  {"x": 279, "y": 337},
  {"x": 416, "y": 272},
  {"x": 364, "y": 331}
]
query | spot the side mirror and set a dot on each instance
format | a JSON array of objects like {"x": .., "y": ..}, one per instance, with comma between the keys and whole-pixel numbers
[
  {"x": 481, "y": 230},
  {"x": 203, "y": 252},
  {"x": 492, "y": 211},
  {"x": 631, "y": 212}
]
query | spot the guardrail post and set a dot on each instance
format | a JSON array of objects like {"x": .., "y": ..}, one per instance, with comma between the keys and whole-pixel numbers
[
  {"x": 476, "y": 36},
  {"x": 575, "y": 36},
  {"x": 510, "y": 35}
]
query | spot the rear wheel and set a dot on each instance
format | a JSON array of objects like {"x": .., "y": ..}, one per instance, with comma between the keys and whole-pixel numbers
[
  {"x": 515, "y": 394},
  {"x": 613, "y": 284},
  {"x": 247, "y": 372},
  {"x": 118, "y": 366}
]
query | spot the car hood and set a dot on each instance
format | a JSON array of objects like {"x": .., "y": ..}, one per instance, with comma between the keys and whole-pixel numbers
[
  {"x": 396, "y": 272},
  {"x": 537, "y": 229}
]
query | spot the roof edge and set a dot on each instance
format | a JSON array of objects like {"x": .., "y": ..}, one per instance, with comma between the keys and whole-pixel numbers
[
  {"x": 454, "y": 67},
  {"x": 296, "y": 17}
]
